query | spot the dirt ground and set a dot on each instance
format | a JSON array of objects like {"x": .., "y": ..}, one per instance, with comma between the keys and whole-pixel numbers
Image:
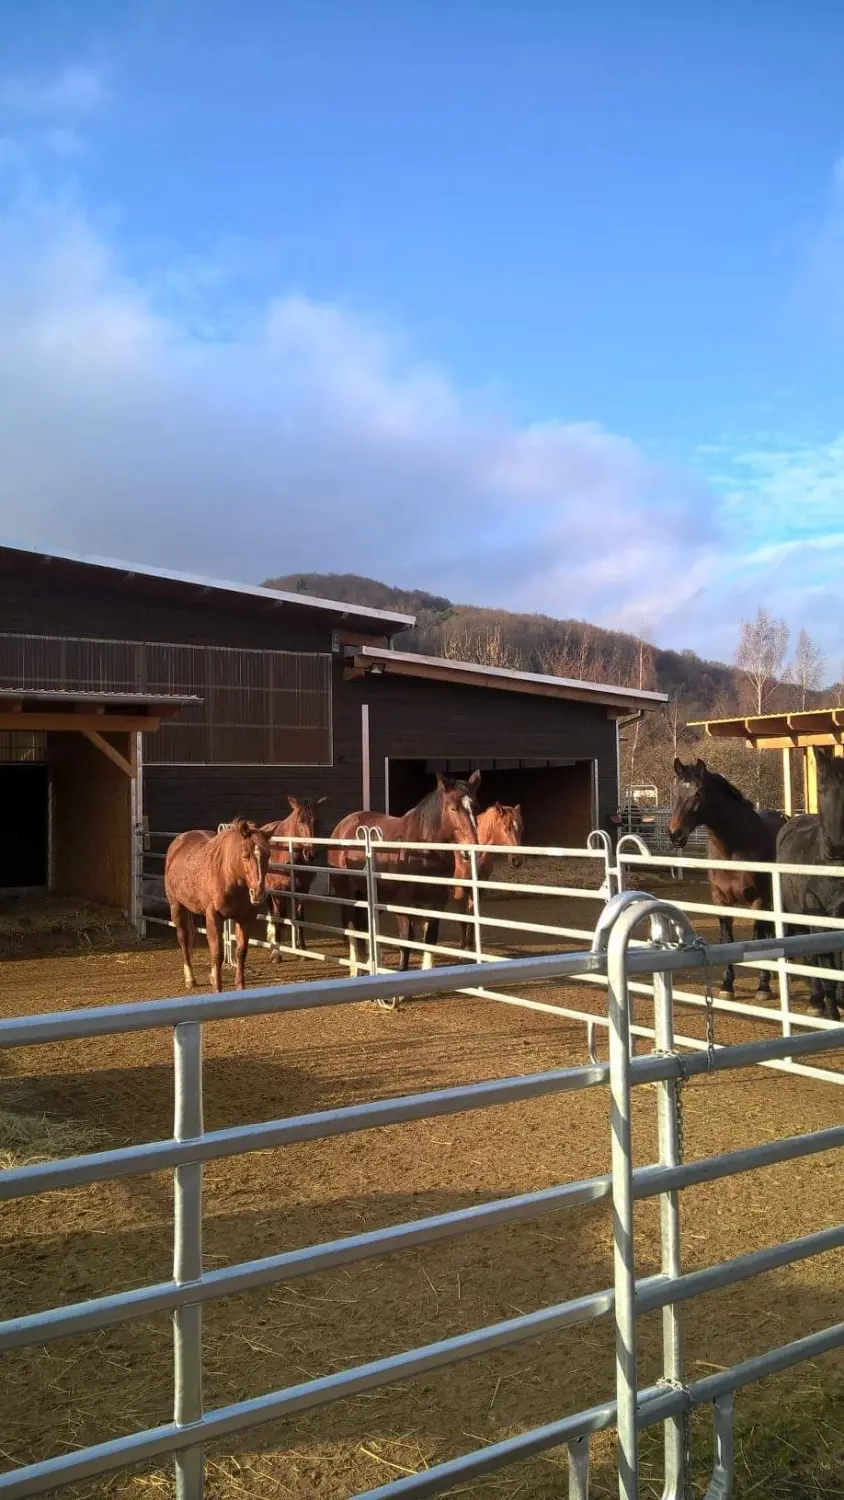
[{"x": 67, "y": 1246}]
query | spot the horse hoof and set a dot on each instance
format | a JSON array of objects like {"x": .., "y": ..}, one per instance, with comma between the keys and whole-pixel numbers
[
  {"x": 725, "y": 994},
  {"x": 817, "y": 1010},
  {"x": 763, "y": 995}
]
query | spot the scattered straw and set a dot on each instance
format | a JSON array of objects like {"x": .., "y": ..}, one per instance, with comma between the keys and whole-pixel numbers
[{"x": 31, "y": 1138}]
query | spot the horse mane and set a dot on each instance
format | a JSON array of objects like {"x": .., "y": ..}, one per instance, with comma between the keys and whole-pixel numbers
[
  {"x": 428, "y": 814},
  {"x": 729, "y": 790}
]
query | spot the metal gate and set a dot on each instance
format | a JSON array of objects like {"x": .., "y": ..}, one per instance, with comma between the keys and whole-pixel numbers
[{"x": 615, "y": 957}]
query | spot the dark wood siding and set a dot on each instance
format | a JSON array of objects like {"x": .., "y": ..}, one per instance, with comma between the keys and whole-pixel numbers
[{"x": 433, "y": 720}]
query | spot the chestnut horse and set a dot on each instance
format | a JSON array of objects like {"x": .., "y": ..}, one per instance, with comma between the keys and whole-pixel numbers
[
  {"x": 499, "y": 825},
  {"x": 300, "y": 823},
  {"x": 496, "y": 825},
  {"x": 447, "y": 815},
  {"x": 736, "y": 832},
  {"x": 219, "y": 876}
]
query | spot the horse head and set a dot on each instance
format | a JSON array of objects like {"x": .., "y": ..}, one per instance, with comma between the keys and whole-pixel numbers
[
  {"x": 831, "y": 805},
  {"x": 512, "y": 826},
  {"x": 302, "y": 824},
  {"x": 689, "y": 801},
  {"x": 254, "y": 856},
  {"x": 458, "y": 809}
]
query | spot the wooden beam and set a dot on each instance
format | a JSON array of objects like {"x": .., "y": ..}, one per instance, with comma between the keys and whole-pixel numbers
[
  {"x": 792, "y": 741},
  {"x": 787, "y": 801},
  {"x": 89, "y": 708},
  {"x": 810, "y": 774},
  {"x": 108, "y": 749},
  {"x": 77, "y": 723}
]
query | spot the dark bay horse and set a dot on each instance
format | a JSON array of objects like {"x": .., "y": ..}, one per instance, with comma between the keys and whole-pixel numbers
[
  {"x": 499, "y": 825},
  {"x": 736, "y": 832},
  {"x": 221, "y": 877},
  {"x": 300, "y": 823},
  {"x": 446, "y": 815},
  {"x": 818, "y": 839}
]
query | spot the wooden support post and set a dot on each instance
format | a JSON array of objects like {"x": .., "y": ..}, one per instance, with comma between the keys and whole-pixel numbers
[
  {"x": 787, "y": 799},
  {"x": 810, "y": 774},
  {"x": 108, "y": 749}
]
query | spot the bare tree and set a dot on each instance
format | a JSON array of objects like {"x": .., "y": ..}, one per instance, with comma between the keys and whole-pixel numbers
[
  {"x": 806, "y": 667},
  {"x": 760, "y": 655}
]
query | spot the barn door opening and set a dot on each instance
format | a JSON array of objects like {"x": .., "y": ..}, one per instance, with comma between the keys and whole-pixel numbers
[{"x": 24, "y": 801}]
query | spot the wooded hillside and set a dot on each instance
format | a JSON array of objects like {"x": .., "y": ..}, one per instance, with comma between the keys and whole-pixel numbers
[{"x": 696, "y": 688}]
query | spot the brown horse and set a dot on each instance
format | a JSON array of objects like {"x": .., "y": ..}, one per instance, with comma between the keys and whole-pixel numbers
[
  {"x": 447, "y": 815},
  {"x": 300, "y": 823},
  {"x": 736, "y": 832},
  {"x": 219, "y": 876},
  {"x": 499, "y": 825}
]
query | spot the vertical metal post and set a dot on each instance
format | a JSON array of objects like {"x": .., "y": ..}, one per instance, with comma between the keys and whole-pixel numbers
[
  {"x": 294, "y": 930},
  {"x": 622, "y": 1201},
  {"x": 187, "y": 1255},
  {"x": 669, "y": 1209},
  {"x": 366, "y": 777},
  {"x": 723, "y": 1471},
  {"x": 579, "y": 1469},
  {"x": 371, "y": 902},
  {"x": 228, "y": 944},
  {"x": 782, "y": 971},
  {"x": 476, "y": 904}
]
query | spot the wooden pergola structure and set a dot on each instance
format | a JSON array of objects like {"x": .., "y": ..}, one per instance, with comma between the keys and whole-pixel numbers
[{"x": 800, "y": 732}]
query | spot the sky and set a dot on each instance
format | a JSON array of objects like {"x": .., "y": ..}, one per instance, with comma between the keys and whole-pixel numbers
[{"x": 534, "y": 305}]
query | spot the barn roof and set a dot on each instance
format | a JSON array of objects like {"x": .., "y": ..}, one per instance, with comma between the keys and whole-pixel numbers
[
  {"x": 409, "y": 664},
  {"x": 193, "y": 585}
]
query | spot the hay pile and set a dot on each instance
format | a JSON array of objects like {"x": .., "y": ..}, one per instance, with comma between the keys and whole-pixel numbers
[
  {"x": 25, "y": 1139},
  {"x": 36, "y": 921}
]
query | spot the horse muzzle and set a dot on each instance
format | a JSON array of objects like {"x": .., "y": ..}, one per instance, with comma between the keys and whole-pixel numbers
[
  {"x": 256, "y": 896},
  {"x": 678, "y": 837}
]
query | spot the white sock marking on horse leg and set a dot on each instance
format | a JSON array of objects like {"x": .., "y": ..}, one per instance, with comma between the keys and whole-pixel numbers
[
  {"x": 353, "y": 961},
  {"x": 189, "y": 979},
  {"x": 427, "y": 959}
]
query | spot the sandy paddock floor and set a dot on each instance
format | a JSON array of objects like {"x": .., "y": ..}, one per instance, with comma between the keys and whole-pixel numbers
[{"x": 70, "y": 1245}]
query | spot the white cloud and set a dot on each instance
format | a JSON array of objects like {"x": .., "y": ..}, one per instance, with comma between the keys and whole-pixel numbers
[
  {"x": 75, "y": 92},
  {"x": 310, "y": 441}
]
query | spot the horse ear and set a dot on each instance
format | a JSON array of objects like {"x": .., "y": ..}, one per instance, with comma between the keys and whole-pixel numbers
[
  {"x": 700, "y": 766},
  {"x": 679, "y": 768},
  {"x": 444, "y": 782},
  {"x": 518, "y": 808},
  {"x": 474, "y": 780},
  {"x": 243, "y": 827},
  {"x": 294, "y": 803}
]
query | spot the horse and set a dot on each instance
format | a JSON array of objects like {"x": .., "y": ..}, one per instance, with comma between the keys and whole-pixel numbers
[
  {"x": 817, "y": 839},
  {"x": 220, "y": 876},
  {"x": 498, "y": 825},
  {"x": 736, "y": 832},
  {"x": 446, "y": 815},
  {"x": 300, "y": 823}
]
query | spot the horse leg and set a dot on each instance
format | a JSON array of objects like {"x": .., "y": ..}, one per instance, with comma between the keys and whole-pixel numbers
[
  {"x": 242, "y": 949},
  {"x": 272, "y": 933},
  {"x": 725, "y": 933},
  {"x": 830, "y": 988},
  {"x": 185, "y": 926},
  {"x": 763, "y": 983},
  {"x": 300, "y": 918},
  {"x": 430, "y": 934},
  {"x": 214, "y": 929}
]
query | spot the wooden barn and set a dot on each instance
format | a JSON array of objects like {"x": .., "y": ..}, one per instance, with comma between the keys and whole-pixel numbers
[{"x": 132, "y": 697}]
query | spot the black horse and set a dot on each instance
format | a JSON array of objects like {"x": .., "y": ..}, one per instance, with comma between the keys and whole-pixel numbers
[
  {"x": 736, "y": 832},
  {"x": 818, "y": 839}
]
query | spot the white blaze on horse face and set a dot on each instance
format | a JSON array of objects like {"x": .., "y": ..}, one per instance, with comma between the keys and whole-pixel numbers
[{"x": 467, "y": 803}]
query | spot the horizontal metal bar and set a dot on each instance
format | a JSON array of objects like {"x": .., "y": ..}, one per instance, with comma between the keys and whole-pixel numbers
[
  {"x": 147, "y": 1015},
  {"x": 742, "y": 1055},
  {"x": 648, "y": 1181},
  {"x": 742, "y": 1268},
  {"x": 153, "y": 1156},
  {"x": 102, "y": 1312},
  {"x": 760, "y": 866},
  {"x": 69, "y": 1468},
  {"x": 513, "y": 1450}
]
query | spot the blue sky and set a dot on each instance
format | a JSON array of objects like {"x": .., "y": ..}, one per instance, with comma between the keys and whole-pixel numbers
[{"x": 532, "y": 304}]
